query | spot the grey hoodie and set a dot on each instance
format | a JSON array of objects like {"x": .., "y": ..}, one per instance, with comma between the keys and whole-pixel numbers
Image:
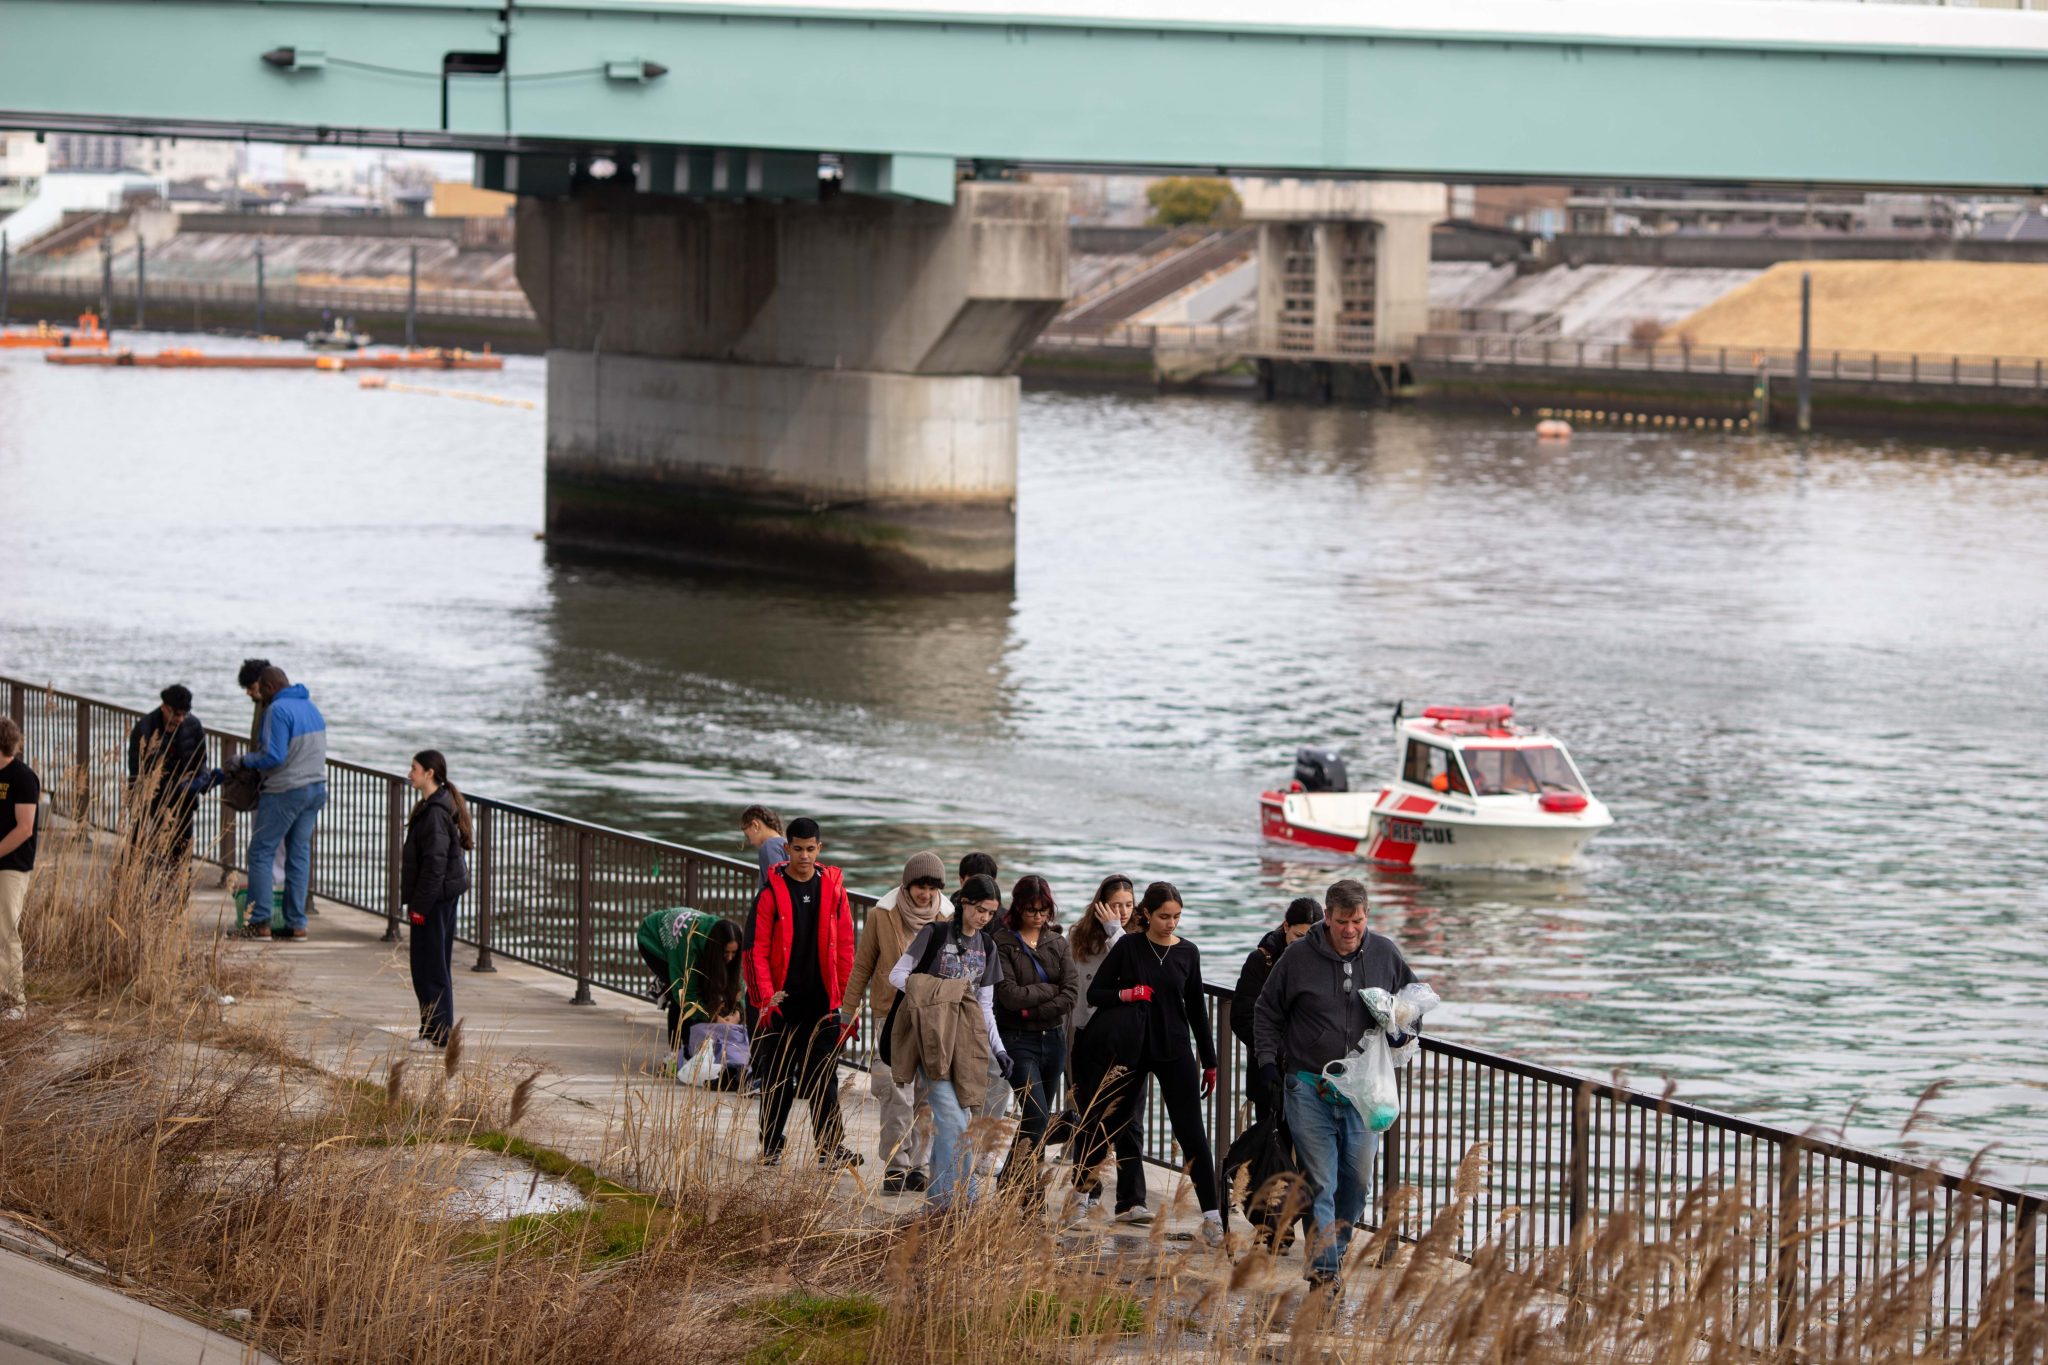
[{"x": 1309, "y": 1013}]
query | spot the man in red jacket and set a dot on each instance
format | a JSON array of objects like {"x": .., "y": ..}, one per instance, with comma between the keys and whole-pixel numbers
[{"x": 797, "y": 957}]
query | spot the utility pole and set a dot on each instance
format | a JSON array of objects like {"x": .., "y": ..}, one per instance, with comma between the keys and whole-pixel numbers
[
  {"x": 141, "y": 283},
  {"x": 107, "y": 280},
  {"x": 1805, "y": 373},
  {"x": 412, "y": 295},
  {"x": 259, "y": 286}
]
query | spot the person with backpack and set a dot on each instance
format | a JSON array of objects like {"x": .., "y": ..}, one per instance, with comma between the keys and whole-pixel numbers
[
  {"x": 1310, "y": 1014},
  {"x": 914, "y": 902},
  {"x": 434, "y": 876},
  {"x": 942, "y": 1030},
  {"x": 1151, "y": 1020},
  {"x": 798, "y": 956},
  {"x": 1302, "y": 912},
  {"x": 1033, "y": 999}
]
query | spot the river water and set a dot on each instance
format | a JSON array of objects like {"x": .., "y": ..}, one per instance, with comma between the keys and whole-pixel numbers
[{"x": 1802, "y": 679}]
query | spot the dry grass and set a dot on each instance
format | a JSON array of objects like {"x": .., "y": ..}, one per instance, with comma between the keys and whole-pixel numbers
[
  {"x": 212, "y": 1171},
  {"x": 1934, "y": 307}
]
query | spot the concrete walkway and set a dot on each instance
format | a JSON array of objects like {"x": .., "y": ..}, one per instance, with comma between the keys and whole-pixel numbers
[
  {"x": 57, "y": 1310},
  {"x": 345, "y": 1002}
]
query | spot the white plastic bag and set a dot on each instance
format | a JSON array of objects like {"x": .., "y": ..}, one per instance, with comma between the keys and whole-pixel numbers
[
  {"x": 703, "y": 1066},
  {"x": 1366, "y": 1079}
]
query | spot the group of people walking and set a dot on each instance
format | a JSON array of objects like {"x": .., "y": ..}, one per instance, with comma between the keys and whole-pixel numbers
[{"x": 983, "y": 1003}]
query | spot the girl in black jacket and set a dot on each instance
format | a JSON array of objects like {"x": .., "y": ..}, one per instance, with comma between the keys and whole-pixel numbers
[
  {"x": 436, "y": 875},
  {"x": 1151, "y": 1019}
]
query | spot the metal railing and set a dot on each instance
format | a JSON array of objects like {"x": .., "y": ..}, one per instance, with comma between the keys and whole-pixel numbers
[
  {"x": 1568, "y": 1157},
  {"x": 469, "y": 303},
  {"x": 1746, "y": 362}
]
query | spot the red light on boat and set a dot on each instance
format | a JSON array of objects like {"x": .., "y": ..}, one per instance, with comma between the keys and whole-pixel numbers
[
  {"x": 1476, "y": 715},
  {"x": 1562, "y": 803}
]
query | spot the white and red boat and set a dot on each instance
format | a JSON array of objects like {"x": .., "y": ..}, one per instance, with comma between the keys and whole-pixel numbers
[{"x": 1472, "y": 788}]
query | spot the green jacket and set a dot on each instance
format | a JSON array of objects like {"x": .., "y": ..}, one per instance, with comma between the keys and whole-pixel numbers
[{"x": 677, "y": 935}]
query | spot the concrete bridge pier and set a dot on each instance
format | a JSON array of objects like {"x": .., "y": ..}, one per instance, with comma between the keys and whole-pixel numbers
[{"x": 817, "y": 388}]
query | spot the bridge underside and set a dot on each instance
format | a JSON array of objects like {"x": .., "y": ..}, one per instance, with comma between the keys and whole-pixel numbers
[{"x": 1728, "y": 90}]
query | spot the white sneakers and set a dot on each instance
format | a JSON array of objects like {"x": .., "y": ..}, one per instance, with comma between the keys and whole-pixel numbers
[
  {"x": 1136, "y": 1213},
  {"x": 1212, "y": 1231}
]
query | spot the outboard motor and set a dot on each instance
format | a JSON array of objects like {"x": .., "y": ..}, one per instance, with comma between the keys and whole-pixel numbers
[{"x": 1320, "y": 770}]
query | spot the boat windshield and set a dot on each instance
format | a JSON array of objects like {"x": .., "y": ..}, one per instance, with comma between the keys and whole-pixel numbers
[{"x": 1509, "y": 772}]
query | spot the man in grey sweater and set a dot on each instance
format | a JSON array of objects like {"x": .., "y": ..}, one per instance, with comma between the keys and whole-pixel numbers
[{"x": 1309, "y": 1015}]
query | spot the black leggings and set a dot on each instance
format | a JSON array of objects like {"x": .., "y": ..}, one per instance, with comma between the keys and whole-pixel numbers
[
  {"x": 1180, "y": 1086},
  {"x": 1099, "y": 1132}
]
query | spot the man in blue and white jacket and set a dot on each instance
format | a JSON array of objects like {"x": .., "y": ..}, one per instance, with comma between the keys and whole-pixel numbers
[{"x": 293, "y": 761}]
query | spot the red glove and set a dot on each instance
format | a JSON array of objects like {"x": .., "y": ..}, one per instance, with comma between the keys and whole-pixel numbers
[
  {"x": 1131, "y": 995},
  {"x": 847, "y": 1030},
  {"x": 416, "y": 917},
  {"x": 1208, "y": 1081}
]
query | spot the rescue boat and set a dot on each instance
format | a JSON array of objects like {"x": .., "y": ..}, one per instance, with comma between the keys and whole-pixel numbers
[{"x": 1471, "y": 789}]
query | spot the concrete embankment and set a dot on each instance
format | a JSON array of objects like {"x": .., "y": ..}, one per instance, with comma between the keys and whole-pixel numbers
[{"x": 1838, "y": 404}]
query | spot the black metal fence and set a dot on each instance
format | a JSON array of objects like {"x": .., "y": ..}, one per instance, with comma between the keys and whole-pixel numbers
[{"x": 1567, "y": 1157}]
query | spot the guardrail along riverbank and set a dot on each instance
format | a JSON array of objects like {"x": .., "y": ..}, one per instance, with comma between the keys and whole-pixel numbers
[
  {"x": 1852, "y": 390},
  {"x": 1576, "y": 1171}
]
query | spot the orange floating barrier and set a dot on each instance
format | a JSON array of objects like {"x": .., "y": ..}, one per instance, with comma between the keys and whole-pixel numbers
[
  {"x": 86, "y": 335},
  {"x": 185, "y": 359}
]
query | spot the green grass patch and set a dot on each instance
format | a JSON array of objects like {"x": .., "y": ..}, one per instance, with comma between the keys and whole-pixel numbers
[
  {"x": 817, "y": 1329},
  {"x": 1044, "y": 1313}
]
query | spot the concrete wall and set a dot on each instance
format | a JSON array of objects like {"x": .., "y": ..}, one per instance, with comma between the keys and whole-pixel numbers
[
  {"x": 811, "y": 436},
  {"x": 1355, "y": 201}
]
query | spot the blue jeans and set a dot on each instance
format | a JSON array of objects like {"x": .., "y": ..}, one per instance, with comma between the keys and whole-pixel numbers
[
  {"x": 1335, "y": 1149},
  {"x": 1040, "y": 1060},
  {"x": 952, "y": 1163},
  {"x": 284, "y": 818}
]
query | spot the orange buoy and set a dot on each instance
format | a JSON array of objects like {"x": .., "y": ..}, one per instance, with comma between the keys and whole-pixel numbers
[{"x": 1553, "y": 430}]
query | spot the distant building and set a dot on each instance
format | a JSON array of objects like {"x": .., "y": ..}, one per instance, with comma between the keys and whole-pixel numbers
[
  {"x": 88, "y": 151},
  {"x": 1656, "y": 210},
  {"x": 1537, "y": 209},
  {"x": 23, "y": 163},
  {"x": 186, "y": 159},
  {"x": 457, "y": 199}
]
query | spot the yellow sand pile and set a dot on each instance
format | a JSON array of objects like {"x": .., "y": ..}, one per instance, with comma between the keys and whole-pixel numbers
[{"x": 1939, "y": 307}]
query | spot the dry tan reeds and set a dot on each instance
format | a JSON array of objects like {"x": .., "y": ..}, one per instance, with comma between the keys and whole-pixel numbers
[{"x": 212, "y": 1171}]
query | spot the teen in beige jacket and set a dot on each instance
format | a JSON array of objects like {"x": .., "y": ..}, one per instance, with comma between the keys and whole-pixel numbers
[{"x": 915, "y": 902}]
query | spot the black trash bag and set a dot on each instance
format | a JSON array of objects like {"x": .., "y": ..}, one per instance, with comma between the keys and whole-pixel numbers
[{"x": 1276, "y": 1195}]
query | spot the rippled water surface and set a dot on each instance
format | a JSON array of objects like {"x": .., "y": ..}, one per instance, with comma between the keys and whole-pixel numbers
[{"x": 1804, "y": 681}]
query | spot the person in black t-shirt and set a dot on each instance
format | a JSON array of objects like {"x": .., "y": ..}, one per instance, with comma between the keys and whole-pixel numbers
[
  {"x": 797, "y": 956},
  {"x": 20, "y": 793}
]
